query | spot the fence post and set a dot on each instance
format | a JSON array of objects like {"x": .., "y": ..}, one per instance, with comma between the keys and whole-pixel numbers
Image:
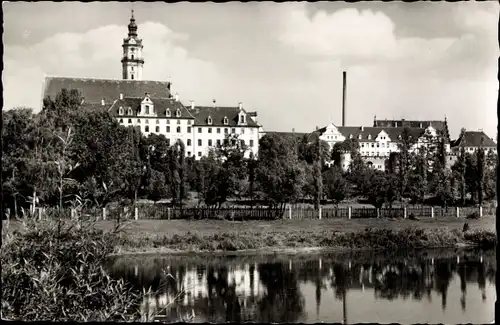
[
  {"x": 480, "y": 210},
  {"x": 378, "y": 213},
  {"x": 136, "y": 213},
  {"x": 73, "y": 214},
  {"x": 319, "y": 213},
  {"x": 405, "y": 215},
  {"x": 39, "y": 213},
  {"x": 458, "y": 212},
  {"x": 432, "y": 212},
  {"x": 349, "y": 211},
  {"x": 103, "y": 213},
  {"x": 168, "y": 213},
  {"x": 290, "y": 212}
]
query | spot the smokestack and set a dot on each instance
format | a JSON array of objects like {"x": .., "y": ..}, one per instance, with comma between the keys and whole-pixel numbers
[
  {"x": 213, "y": 102},
  {"x": 344, "y": 87}
]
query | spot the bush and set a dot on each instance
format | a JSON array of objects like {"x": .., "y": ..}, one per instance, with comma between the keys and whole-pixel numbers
[
  {"x": 473, "y": 215},
  {"x": 54, "y": 271}
]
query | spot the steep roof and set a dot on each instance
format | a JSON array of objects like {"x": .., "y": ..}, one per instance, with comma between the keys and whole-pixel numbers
[
  {"x": 473, "y": 139},
  {"x": 440, "y": 126},
  {"x": 160, "y": 106},
  {"x": 373, "y": 132},
  {"x": 95, "y": 90},
  {"x": 217, "y": 114}
]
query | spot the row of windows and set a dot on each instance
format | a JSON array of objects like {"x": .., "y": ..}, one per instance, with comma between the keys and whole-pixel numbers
[
  {"x": 121, "y": 111},
  {"x": 226, "y": 130},
  {"x": 217, "y": 142},
  {"x": 200, "y": 130},
  {"x": 379, "y": 145}
]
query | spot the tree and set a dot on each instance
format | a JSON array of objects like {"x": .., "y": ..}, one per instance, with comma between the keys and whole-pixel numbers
[
  {"x": 417, "y": 186},
  {"x": 405, "y": 146},
  {"x": 380, "y": 188},
  {"x": 335, "y": 184},
  {"x": 278, "y": 172},
  {"x": 480, "y": 168},
  {"x": 458, "y": 174}
]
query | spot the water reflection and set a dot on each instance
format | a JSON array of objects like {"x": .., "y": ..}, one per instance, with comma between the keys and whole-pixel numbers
[{"x": 338, "y": 288}]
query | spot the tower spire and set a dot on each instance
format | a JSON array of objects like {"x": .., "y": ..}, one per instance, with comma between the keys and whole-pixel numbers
[
  {"x": 132, "y": 60},
  {"x": 132, "y": 27}
]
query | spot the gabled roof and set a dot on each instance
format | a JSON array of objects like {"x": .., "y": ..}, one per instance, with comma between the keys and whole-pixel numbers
[
  {"x": 160, "y": 106},
  {"x": 440, "y": 126},
  {"x": 95, "y": 90},
  {"x": 373, "y": 132},
  {"x": 473, "y": 139},
  {"x": 201, "y": 114}
]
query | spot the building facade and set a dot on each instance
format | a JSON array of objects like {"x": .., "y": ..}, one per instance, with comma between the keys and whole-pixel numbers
[{"x": 151, "y": 106}]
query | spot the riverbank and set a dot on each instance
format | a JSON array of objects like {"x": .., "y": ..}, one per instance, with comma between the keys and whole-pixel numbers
[{"x": 299, "y": 236}]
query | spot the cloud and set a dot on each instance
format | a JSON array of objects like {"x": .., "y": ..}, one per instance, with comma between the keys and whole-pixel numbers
[
  {"x": 353, "y": 37},
  {"x": 97, "y": 53}
]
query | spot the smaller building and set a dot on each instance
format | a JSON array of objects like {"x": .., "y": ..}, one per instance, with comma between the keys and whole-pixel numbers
[{"x": 471, "y": 141}]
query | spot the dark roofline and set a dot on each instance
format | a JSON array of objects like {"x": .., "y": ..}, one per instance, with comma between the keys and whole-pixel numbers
[{"x": 106, "y": 79}]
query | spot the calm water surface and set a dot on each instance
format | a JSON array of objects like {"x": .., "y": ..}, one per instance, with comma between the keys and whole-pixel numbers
[{"x": 410, "y": 287}]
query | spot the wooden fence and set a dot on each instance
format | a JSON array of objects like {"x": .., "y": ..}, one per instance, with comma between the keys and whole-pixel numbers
[{"x": 292, "y": 212}]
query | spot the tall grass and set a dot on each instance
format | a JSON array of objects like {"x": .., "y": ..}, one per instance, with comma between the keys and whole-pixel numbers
[
  {"x": 54, "y": 270},
  {"x": 383, "y": 239}
]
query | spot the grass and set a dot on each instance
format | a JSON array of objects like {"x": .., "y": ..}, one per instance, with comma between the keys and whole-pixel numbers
[
  {"x": 227, "y": 236},
  {"x": 54, "y": 271}
]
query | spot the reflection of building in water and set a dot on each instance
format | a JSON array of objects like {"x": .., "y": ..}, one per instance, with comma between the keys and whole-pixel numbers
[{"x": 194, "y": 285}]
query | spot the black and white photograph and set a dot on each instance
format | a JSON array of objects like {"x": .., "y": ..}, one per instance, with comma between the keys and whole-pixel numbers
[{"x": 294, "y": 162}]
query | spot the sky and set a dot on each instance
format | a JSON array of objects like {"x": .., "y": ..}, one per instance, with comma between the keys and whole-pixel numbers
[{"x": 417, "y": 60}]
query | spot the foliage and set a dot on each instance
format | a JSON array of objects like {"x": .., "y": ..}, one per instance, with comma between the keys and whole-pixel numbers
[
  {"x": 335, "y": 184},
  {"x": 278, "y": 172},
  {"x": 53, "y": 271}
]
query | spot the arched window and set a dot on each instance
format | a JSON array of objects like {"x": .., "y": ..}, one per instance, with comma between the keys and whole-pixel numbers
[
  {"x": 178, "y": 129},
  {"x": 157, "y": 129},
  {"x": 360, "y": 137},
  {"x": 129, "y": 111},
  {"x": 132, "y": 59},
  {"x": 146, "y": 129},
  {"x": 132, "y": 77},
  {"x": 209, "y": 120},
  {"x": 168, "y": 113},
  {"x": 120, "y": 111},
  {"x": 178, "y": 113},
  {"x": 225, "y": 120}
]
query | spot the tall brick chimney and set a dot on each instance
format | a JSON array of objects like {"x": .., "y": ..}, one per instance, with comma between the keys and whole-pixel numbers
[{"x": 344, "y": 88}]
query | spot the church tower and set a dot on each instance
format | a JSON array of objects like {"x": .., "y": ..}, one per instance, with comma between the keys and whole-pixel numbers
[{"x": 132, "y": 60}]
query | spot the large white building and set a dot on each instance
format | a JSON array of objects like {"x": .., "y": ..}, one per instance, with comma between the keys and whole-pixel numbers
[
  {"x": 151, "y": 106},
  {"x": 378, "y": 141}
]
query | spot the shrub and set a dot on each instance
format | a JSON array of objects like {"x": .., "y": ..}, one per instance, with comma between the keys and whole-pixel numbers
[
  {"x": 52, "y": 270},
  {"x": 473, "y": 215}
]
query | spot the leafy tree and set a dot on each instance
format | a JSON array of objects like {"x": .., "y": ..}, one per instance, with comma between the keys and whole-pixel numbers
[
  {"x": 417, "y": 185},
  {"x": 458, "y": 174},
  {"x": 335, "y": 185},
  {"x": 405, "y": 146},
  {"x": 278, "y": 173}
]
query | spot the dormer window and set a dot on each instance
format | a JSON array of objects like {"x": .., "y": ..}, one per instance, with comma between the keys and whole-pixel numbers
[
  {"x": 350, "y": 136},
  {"x": 178, "y": 113},
  {"x": 360, "y": 137},
  {"x": 225, "y": 121},
  {"x": 242, "y": 119},
  {"x": 209, "y": 120},
  {"x": 129, "y": 111},
  {"x": 147, "y": 109},
  {"x": 369, "y": 136},
  {"x": 120, "y": 111},
  {"x": 168, "y": 113}
]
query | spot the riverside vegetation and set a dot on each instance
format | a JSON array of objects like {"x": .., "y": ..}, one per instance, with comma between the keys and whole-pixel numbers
[{"x": 69, "y": 150}]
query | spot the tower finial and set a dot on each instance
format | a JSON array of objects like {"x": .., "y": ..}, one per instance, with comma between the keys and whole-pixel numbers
[{"x": 132, "y": 17}]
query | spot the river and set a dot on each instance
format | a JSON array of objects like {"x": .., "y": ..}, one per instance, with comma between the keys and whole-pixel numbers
[{"x": 438, "y": 286}]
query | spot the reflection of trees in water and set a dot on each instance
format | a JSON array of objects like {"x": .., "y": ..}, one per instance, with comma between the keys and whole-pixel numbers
[{"x": 283, "y": 301}]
